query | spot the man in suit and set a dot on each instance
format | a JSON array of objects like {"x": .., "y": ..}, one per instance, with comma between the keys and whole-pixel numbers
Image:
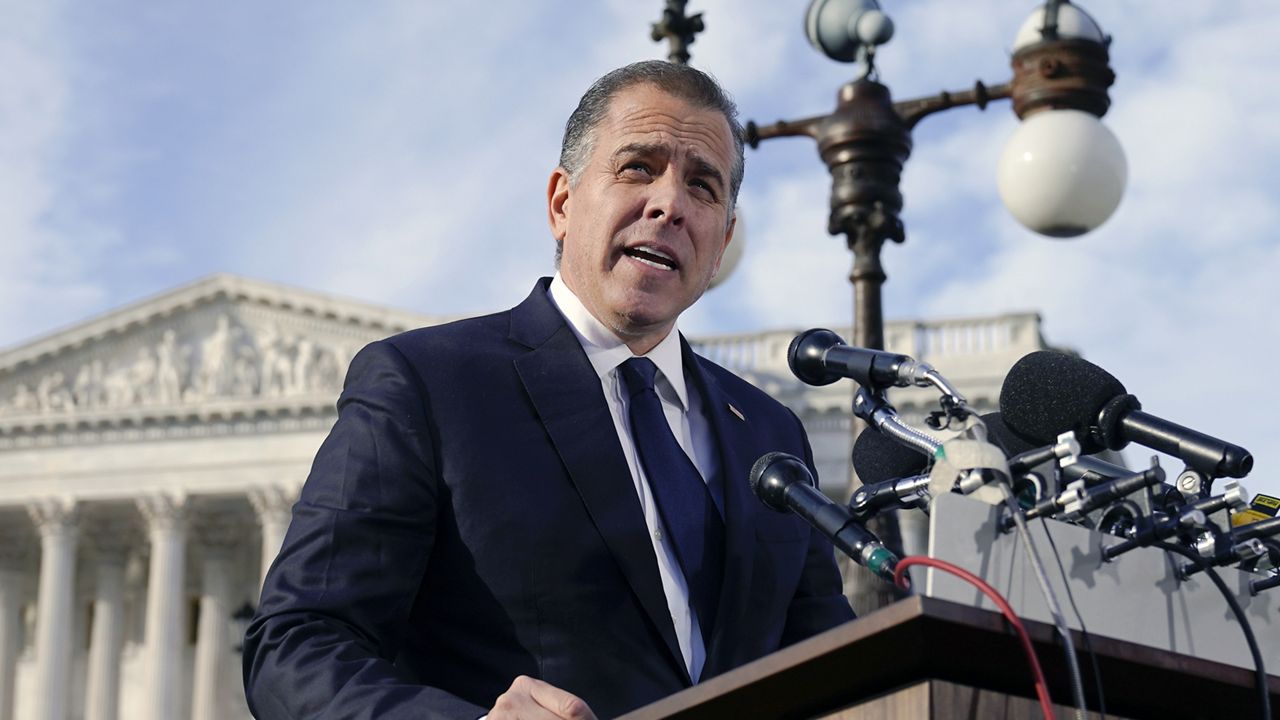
[{"x": 544, "y": 513}]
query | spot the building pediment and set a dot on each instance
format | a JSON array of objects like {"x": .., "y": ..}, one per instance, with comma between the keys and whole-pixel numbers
[{"x": 223, "y": 346}]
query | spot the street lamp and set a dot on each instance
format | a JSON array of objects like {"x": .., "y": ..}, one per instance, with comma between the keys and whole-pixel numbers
[{"x": 1062, "y": 173}]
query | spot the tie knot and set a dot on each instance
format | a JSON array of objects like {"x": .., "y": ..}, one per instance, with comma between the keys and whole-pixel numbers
[{"x": 638, "y": 373}]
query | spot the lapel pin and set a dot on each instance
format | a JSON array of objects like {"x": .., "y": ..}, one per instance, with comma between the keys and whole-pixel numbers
[{"x": 737, "y": 412}]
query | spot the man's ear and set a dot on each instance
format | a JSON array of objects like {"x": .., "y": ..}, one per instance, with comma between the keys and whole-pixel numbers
[
  {"x": 558, "y": 203},
  {"x": 728, "y": 236}
]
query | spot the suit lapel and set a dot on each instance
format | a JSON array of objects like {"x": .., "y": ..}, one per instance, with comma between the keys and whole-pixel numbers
[
  {"x": 732, "y": 433},
  {"x": 566, "y": 392}
]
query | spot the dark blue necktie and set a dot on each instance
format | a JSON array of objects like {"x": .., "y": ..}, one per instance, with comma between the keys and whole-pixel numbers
[{"x": 693, "y": 523}]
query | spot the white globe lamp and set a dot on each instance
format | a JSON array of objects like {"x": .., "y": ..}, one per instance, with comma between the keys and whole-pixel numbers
[{"x": 1062, "y": 173}]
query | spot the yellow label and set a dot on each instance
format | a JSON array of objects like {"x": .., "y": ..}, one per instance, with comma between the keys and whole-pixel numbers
[
  {"x": 1263, "y": 502},
  {"x": 1244, "y": 517}
]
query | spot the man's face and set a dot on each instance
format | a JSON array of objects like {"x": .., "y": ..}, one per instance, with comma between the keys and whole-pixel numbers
[{"x": 647, "y": 222}]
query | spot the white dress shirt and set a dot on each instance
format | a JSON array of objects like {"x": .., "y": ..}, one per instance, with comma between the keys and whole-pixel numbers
[{"x": 684, "y": 412}]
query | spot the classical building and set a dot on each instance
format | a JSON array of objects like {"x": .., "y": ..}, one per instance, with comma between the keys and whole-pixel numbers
[{"x": 149, "y": 459}]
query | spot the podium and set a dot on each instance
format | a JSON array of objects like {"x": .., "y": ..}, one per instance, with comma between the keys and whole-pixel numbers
[{"x": 924, "y": 657}]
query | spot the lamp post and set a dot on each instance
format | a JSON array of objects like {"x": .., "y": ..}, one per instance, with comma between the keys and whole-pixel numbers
[
  {"x": 1059, "y": 89},
  {"x": 1061, "y": 174},
  {"x": 677, "y": 29}
]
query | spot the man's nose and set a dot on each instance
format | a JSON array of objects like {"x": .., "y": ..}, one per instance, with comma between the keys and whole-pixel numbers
[{"x": 668, "y": 200}]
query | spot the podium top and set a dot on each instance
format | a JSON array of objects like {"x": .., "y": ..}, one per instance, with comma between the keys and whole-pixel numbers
[{"x": 921, "y": 638}]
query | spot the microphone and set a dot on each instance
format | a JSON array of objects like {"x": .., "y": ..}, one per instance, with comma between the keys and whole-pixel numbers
[
  {"x": 878, "y": 457},
  {"x": 1259, "y": 529},
  {"x": 1242, "y": 544},
  {"x": 1086, "y": 469},
  {"x": 893, "y": 475},
  {"x": 1257, "y": 586},
  {"x": 1078, "y": 500},
  {"x": 821, "y": 357},
  {"x": 1192, "y": 515},
  {"x": 1024, "y": 456},
  {"x": 1047, "y": 393},
  {"x": 999, "y": 434},
  {"x": 783, "y": 482}
]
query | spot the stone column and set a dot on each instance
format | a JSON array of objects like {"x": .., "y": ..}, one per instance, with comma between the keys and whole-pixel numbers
[
  {"x": 166, "y": 517},
  {"x": 56, "y": 520},
  {"x": 274, "y": 507},
  {"x": 13, "y": 555},
  {"x": 218, "y": 535},
  {"x": 102, "y": 691}
]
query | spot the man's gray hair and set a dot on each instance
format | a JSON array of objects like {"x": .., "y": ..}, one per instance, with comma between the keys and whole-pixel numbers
[{"x": 680, "y": 81}]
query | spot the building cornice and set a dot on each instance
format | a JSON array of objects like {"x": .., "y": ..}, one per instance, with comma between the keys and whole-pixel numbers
[{"x": 212, "y": 288}]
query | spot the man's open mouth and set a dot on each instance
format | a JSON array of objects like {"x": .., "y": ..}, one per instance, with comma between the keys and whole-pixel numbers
[{"x": 650, "y": 256}]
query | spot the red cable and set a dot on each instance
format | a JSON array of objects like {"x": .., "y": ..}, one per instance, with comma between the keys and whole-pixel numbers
[{"x": 901, "y": 580}]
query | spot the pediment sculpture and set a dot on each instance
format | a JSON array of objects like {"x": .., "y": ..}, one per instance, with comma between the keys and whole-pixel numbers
[{"x": 230, "y": 360}]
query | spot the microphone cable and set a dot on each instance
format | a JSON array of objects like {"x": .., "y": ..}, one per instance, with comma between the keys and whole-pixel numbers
[
  {"x": 901, "y": 580},
  {"x": 1260, "y": 672},
  {"x": 1051, "y": 599},
  {"x": 1084, "y": 632}
]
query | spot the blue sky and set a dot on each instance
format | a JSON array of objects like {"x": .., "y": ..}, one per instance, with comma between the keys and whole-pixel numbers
[{"x": 397, "y": 152}]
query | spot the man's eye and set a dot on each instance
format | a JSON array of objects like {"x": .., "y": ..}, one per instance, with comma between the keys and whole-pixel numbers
[
  {"x": 703, "y": 186},
  {"x": 636, "y": 166}
]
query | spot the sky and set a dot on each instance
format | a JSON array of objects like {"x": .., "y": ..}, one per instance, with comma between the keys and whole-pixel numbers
[{"x": 398, "y": 153}]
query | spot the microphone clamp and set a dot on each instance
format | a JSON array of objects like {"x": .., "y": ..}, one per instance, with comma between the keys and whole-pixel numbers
[
  {"x": 871, "y": 407},
  {"x": 898, "y": 494},
  {"x": 1186, "y": 519}
]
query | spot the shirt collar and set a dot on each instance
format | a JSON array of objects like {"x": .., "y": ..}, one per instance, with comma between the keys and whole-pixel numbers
[{"x": 607, "y": 351}]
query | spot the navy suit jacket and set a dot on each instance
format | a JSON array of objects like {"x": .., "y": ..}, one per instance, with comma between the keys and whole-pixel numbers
[{"x": 471, "y": 518}]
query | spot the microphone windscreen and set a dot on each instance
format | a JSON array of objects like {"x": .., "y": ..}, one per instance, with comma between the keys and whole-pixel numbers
[
  {"x": 1047, "y": 393},
  {"x": 999, "y": 434},
  {"x": 878, "y": 457}
]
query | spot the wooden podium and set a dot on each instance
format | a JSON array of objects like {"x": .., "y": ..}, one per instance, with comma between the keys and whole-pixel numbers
[{"x": 928, "y": 658}]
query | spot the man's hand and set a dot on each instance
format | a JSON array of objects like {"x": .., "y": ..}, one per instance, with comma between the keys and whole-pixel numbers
[{"x": 530, "y": 699}]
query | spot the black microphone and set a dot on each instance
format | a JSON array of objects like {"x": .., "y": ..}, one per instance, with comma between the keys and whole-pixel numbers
[
  {"x": 1257, "y": 586},
  {"x": 1258, "y": 529},
  {"x": 1092, "y": 472},
  {"x": 878, "y": 457},
  {"x": 999, "y": 434},
  {"x": 1047, "y": 393},
  {"x": 1184, "y": 520},
  {"x": 1024, "y": 456},
  {"x": 1076, "y": 501},
  {"x": 821, "y": 357},
  {"x": 1244, "y": 544},
  {"x": 893, "y": 475},
  {"x": 783, "y": 482}
]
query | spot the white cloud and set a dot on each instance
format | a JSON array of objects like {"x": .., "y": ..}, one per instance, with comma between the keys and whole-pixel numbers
[
  {"x": 397, "y": 152},
  {"x": 42, "y": 278}
]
